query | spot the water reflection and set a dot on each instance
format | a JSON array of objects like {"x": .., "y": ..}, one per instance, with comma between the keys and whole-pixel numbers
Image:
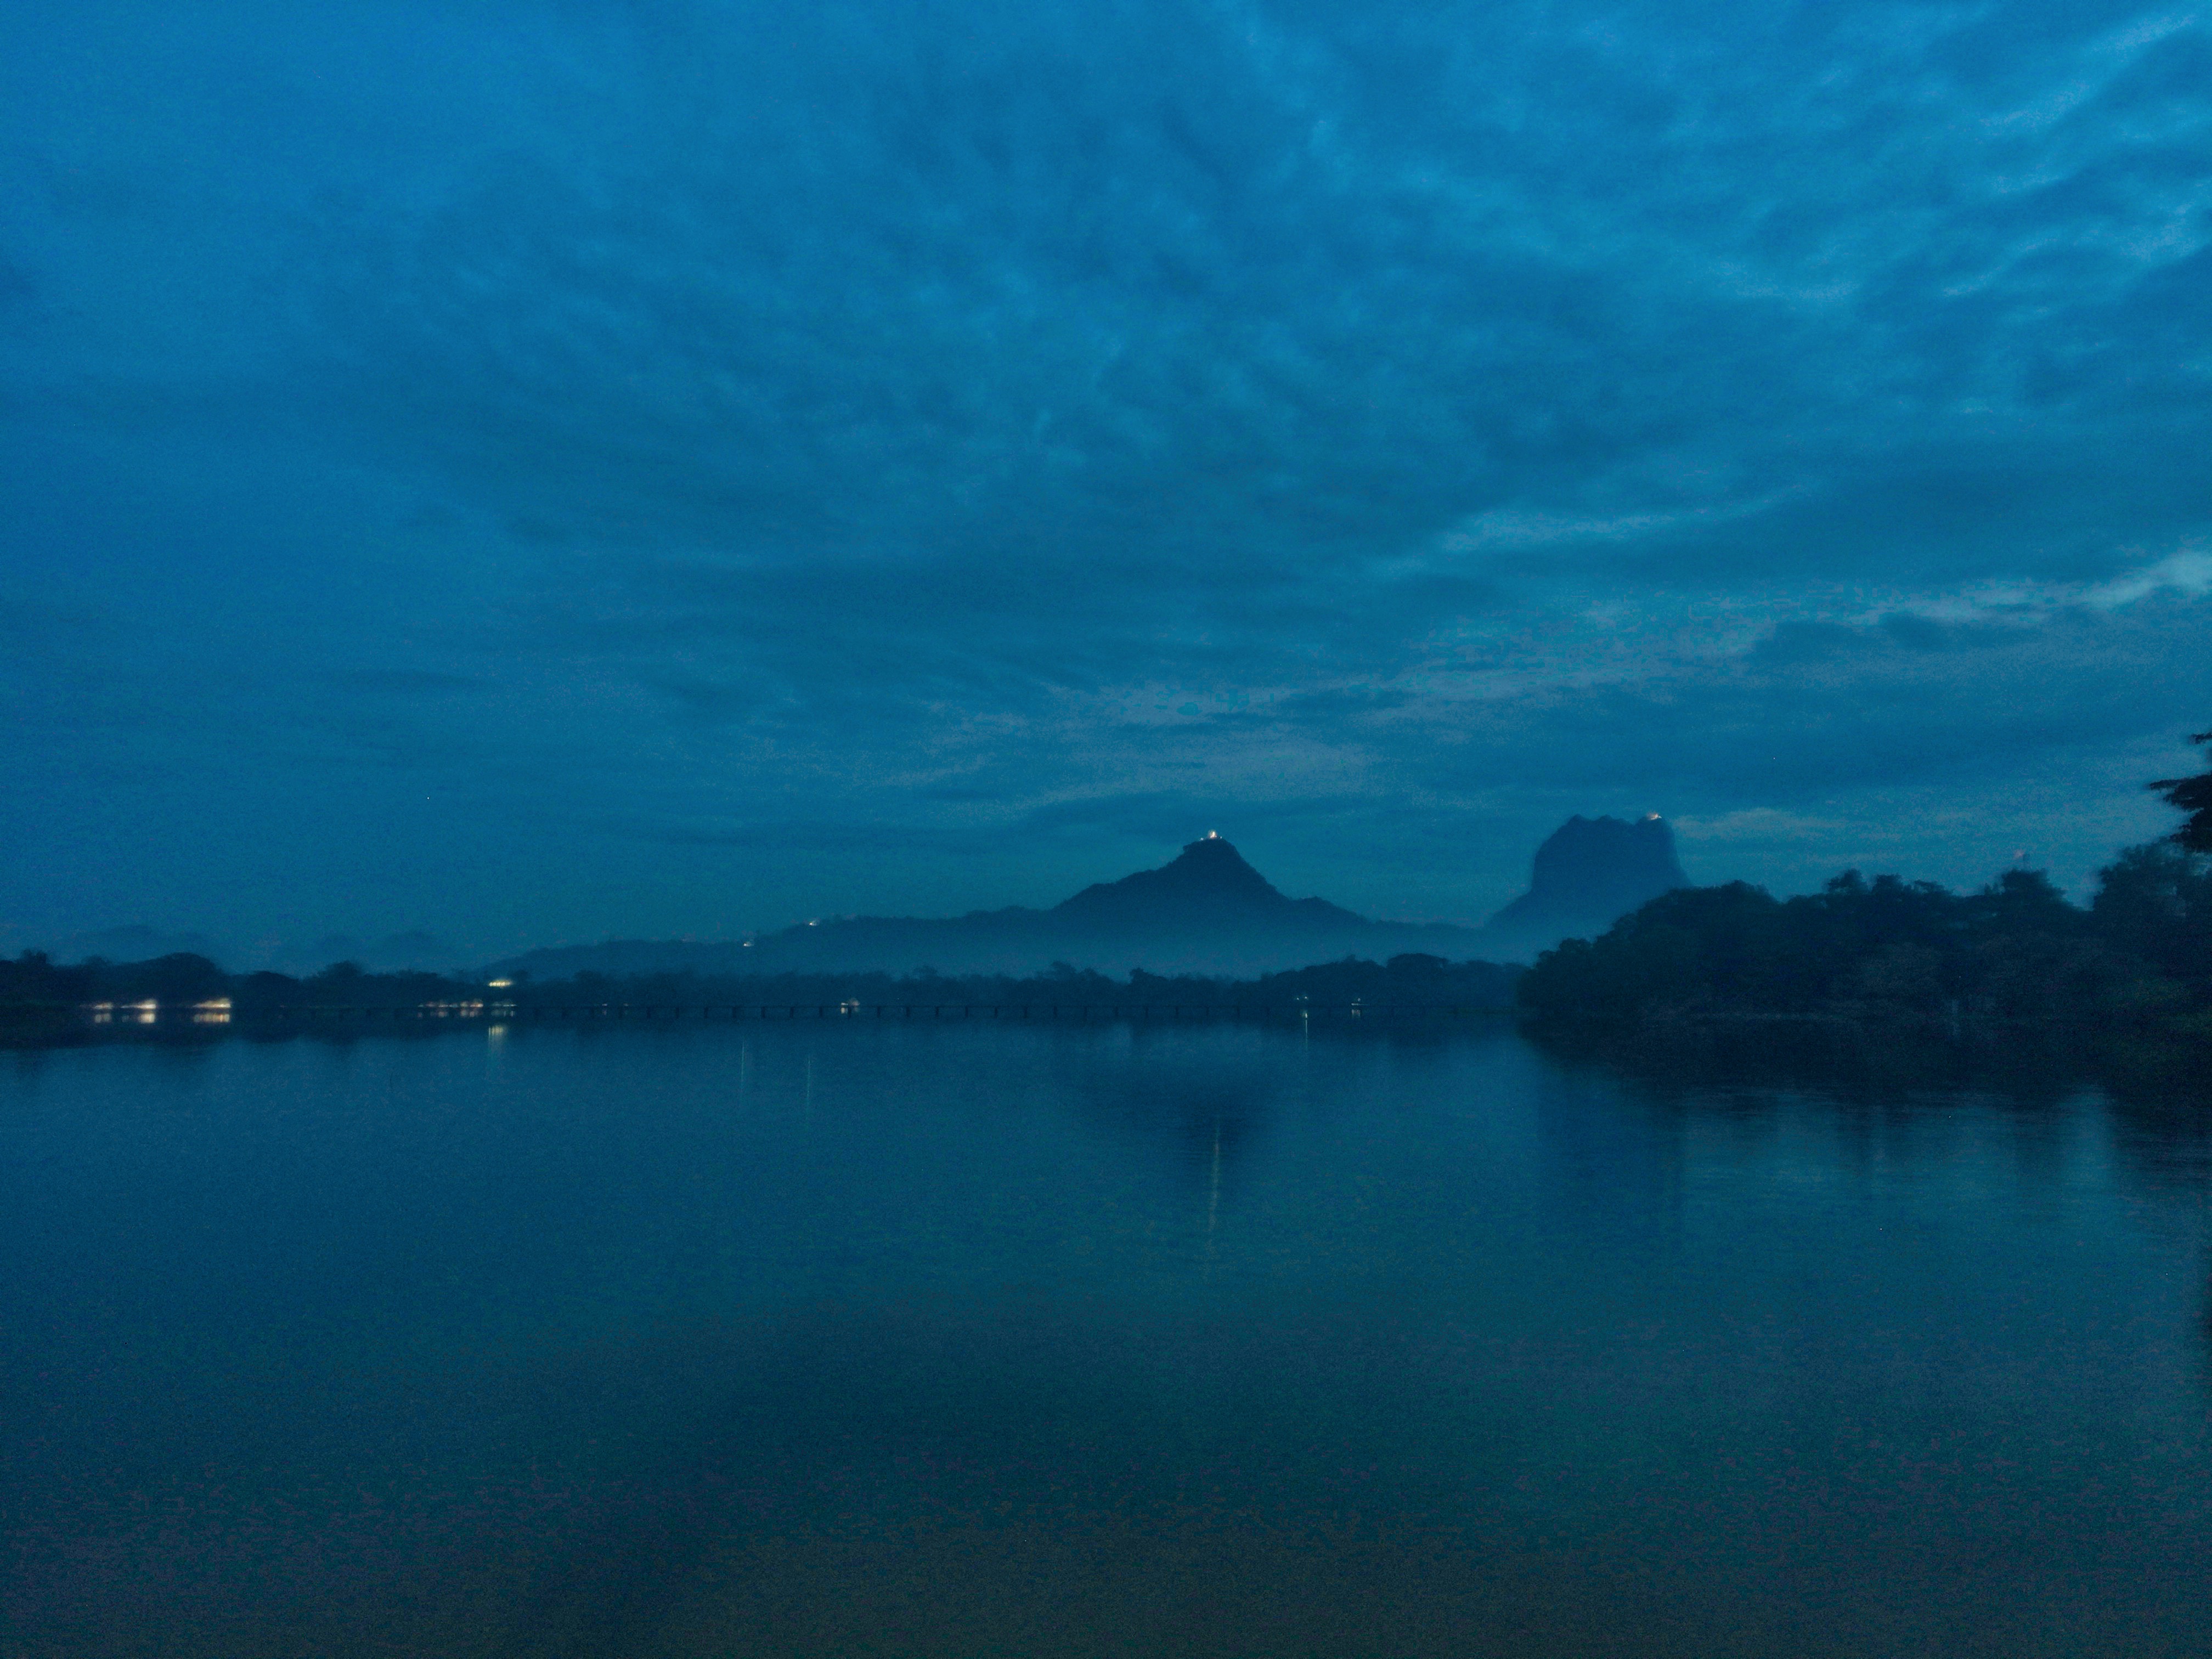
[
  {"x": 1203, "y": 1098},
  {"x": 946, "y": 1341}
]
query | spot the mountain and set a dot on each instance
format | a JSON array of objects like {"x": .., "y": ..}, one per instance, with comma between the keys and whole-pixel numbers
[
  {"x": 1206, "y": 911},
  {"x": 1208, "y": 885},
  {"x": 1588, "y": 874},
  {"x": 136, "y": 942}
]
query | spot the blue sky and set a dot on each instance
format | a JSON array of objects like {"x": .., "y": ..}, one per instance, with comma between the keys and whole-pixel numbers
[{"x": 537, "y": 472}]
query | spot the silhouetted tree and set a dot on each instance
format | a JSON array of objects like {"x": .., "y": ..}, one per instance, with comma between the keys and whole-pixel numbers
[
  {"x": 181, "y": 977},
  {"x": 2015, "y": 952},
  {"x": 2192, "y": 795},
  {"x": 340, "y": 983},
  {"x": 33, "y": 977},
  {"x": 2155, "y": 900},
  {"x": 264, "y": 990}
]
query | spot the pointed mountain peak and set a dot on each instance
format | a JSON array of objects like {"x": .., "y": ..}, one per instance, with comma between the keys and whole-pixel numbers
[
  {"x": 1210, "y": 864},
  {"x": 1208, "y": 874},
  {"x": 1211, "y": 852}
]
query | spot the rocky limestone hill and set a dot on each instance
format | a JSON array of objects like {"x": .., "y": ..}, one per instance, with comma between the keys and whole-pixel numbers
[
  {"x": 1588, "y": 874},
  {"x": 1206, "y": 911}
]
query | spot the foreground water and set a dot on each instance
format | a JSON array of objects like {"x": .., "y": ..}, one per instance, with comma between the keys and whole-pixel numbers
[{"x": 945, "y": 1340}]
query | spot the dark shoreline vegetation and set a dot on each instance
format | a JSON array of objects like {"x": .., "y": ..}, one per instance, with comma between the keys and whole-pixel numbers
[
  {"x": 1906, "y": 955},
  {"x": 2126, "y": 981},
  {"x": 181, "y": 982},
  {"x": 1902, "y": 980},
  {"x": 1888, "y": 972}
]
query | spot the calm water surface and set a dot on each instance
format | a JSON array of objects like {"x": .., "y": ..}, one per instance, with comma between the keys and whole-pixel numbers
[{"x": 981, "y": 1341}]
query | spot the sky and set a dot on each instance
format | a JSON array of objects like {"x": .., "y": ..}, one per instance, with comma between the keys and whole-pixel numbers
[{"x": 533, "y": 473}]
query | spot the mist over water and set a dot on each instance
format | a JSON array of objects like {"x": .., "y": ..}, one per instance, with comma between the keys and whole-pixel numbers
[{"x": 1108, "y": 1339}]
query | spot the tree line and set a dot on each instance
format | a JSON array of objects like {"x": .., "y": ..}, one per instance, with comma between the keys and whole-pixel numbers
[
  {"x": 183, "y": 980},
  {"x": 2137, "y": 958}
]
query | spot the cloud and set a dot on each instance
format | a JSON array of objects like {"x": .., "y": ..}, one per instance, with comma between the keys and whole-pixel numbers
[
  {"x": 880, "y": 428},
  {"x": 1758, "y": 823}
]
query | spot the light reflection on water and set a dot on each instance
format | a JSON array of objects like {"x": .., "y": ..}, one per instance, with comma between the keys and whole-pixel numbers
[{"x": 957, "y": 1339}]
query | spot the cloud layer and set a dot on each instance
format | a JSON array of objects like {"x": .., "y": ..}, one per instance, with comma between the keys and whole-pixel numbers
[{"x": 540, "y": 473}]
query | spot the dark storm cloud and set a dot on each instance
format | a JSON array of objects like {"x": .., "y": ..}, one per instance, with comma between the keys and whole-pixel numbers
[{"x": 1352, "y": 421}]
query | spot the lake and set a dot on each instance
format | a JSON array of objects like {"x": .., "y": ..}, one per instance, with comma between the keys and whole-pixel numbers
[{"x": 970, "y": 1340}]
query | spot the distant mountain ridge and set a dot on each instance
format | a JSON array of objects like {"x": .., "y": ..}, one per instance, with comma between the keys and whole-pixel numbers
[
  {"x": 1206, "y": 911},
  {"x": 1209, "y": 881}
]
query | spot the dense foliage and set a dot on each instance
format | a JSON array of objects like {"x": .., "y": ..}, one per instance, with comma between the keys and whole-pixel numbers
[
  {"x": 1412, "y": 980},
  {"x": 183, "y": 980},
  {"x": 2192, "y": 795},
  {"x": 2138, "y": 957},
  {"x": 1404, "y": 980}
]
